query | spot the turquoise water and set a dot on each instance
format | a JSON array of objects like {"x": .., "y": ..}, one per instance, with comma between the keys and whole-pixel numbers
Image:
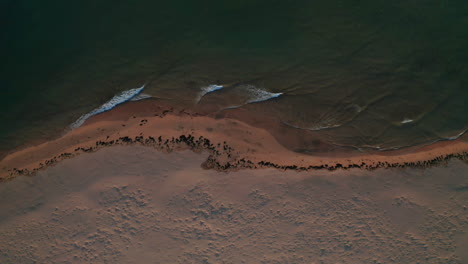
[{"x": 367, "y": 74}]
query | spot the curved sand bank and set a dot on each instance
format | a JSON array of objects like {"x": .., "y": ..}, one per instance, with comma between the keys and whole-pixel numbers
[{"x": 232, "y": 144}]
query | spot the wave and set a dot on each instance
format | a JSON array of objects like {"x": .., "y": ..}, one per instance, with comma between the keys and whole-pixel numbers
[
  {"x": 257, "y": 95},
  {"x": 140, "y": 96},
  {"x": 250, "y": 94},
  {"x": 208, "y": 89},
  {"x": 334, "y": 118},
  {"x": 314, "y": 127},
  {"x": 406, "y": 121},
  {"x": 116, "y": 100},
  {"x": 457, "y": 135}
]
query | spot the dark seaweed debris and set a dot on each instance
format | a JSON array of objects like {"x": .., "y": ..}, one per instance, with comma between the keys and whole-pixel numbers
[{"x": 223, "y": 157}]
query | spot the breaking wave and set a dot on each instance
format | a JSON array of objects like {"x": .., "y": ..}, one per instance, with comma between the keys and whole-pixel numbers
[
  {"x": 116, "y": 100},
  {"x": 257, "y": 95},
  {"x": 407, "y": 120},
  {"x": 250, "y": 94},
  {"x": 208, "y": 89},
  {"x": 457, "y": 135},
  {"x": 140, "y": 96}
]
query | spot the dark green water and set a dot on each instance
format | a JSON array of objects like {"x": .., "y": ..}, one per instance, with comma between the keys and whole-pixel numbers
[{"x": 355, "y": 71}]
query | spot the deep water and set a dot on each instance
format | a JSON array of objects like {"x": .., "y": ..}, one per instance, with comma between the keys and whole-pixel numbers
[{"x": 368, "y": 74}]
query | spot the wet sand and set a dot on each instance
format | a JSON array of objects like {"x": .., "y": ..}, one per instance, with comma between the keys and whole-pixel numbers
[
  {"x": 134, "y": 204},
  {"x": 231, "y": 144}
]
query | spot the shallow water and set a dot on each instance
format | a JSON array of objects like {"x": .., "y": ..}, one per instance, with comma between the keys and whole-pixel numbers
[{"x": 367, "y": 74}]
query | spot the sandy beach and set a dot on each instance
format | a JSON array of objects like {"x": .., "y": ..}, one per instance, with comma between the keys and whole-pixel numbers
[
  {"x": 232, "y": 143},
  {"x": 134, "y": 204},
  {"x": 150, "y": 183},
  {"x": 234, "y": 132}
]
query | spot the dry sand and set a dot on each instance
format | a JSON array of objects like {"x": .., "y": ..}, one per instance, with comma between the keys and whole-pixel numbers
[
  {"x": 233, "y": 144},
  {"x": 138, "y": 205},
  {"x": 189, "y": 189}
]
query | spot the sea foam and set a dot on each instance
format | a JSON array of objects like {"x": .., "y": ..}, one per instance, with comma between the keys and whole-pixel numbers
[
  {"x": 257, "y": 95},
  {"x": 457, "y": 135},
  {"x": 140, "y": 96},
  {"x": 116, "y": 100},
  {"x": 407, "y": 120},
  {"x": 208, "y": 89},
  {"x": 251, "y": 94}
]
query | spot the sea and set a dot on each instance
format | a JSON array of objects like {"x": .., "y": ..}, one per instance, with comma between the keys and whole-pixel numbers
[{"x": 364, "y": 74}]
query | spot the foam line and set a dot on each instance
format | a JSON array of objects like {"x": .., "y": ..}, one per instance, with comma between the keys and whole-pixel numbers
[
  {"x": 113, "y": 102},
  {"x": 208, "y": 89},
  {"x": 258, "y": 95}
]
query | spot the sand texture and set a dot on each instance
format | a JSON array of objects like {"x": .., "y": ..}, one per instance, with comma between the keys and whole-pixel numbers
[
  {"x": 232, "y": 144},
  {"x": 138, "y": 205}
]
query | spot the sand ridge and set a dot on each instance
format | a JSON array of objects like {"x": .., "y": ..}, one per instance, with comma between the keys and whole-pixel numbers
[{"x": 232, "y": 144}]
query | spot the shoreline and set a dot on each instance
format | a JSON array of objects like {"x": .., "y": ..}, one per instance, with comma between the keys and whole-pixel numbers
[{"x": 231, "y": 144}]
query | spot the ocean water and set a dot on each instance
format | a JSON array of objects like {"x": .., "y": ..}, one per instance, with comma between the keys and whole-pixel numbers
[{"x": 372, "y": 75}]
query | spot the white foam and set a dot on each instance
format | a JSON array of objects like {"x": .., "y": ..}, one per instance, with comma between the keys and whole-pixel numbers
[
  {"x": 313, "y": 127},
  {"x": 258, "y": 95},
  {"x": 251, "y": 94},
  {"x": 208, "y": 89},
  {"x": 116, "y": 100},
  {"x": 141, "y": 96},
  {"x": 458, "y": 135},
  {"x": 318, "y": 127},
  {"x": 407, "y": 120}
]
